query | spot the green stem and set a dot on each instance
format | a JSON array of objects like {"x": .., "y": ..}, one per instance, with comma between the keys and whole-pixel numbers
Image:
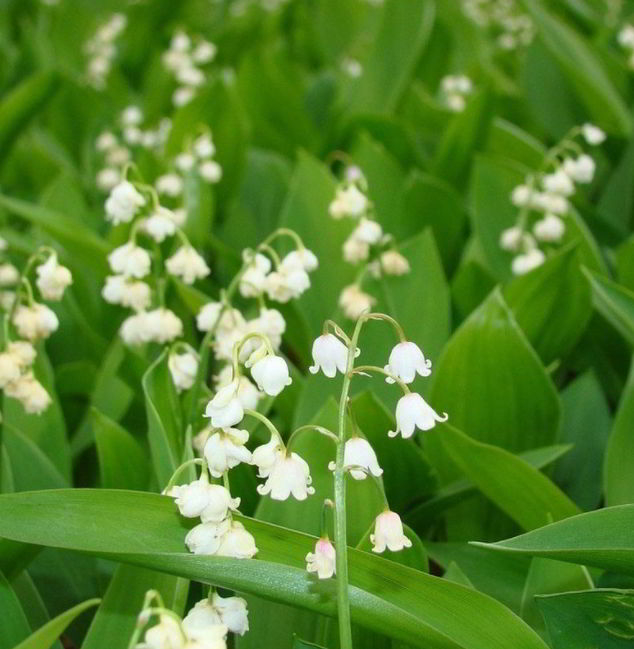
[
  {"x": 319, "y": 429},
  {"x": 267, "y": 422},
  {"x": 375, "y": 368}
]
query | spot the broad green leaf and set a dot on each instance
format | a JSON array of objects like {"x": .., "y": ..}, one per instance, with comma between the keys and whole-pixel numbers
[
  {"x": 520, "y": 490},
  {"x": 615, "y": 303},
  {"x": 23, "y": 103},
  {"x": 46, "y": 635},
  {"x": 14, "y": 627},
  {"x": 404, "y": 29},
  {"x": 165, "y": 430},
  {"x": 617, "y": 469},
  {"x": 594, "y": 618},
  {"x": 122, "y": 462},
  {"x": 509, "y": 140},
  {"x": 602, "y": 538},
  {"x": 552, "y": 304},
  {"x": 616, "y": 203},
  {"x": 410, "y": 605},
  {"x": 199, "y": 203},
  {"x": 583, "y": 70}
]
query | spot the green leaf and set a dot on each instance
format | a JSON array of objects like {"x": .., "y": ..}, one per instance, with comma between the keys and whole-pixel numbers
[
  {"x": 615, "y": 303},
  {"x": 122, "y": 462},
  {"x": 46, "y": 635},
  {"x": 516, "y": 487},
  {"x": 595, "y": 618},
  {"x": 410, "y": 605},
  {"x": 14, "y": 627},
  {"x": 602, "y": 538},
  {"x": 23, "y": 103},
  {"x": 583, "y": 70},
  {"x": 302, "y": 644},
  {"x": 619, "y": 456}
]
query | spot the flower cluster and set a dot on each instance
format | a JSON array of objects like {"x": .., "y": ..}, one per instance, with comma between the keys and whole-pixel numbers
[
  {"x": 510, "y": 26},
  {"x": 197, "y": 157},
  {"x": 32, "y": 321},
  {"x": 186, "y": 59},
  {"x": 367, "y": 243},
  {"x": 205, "y": 626},
  {"x": 626, "y": 41},
  {"x": 102, "y": 50},
  {"x": 454, "y": 90},
  {"x": 544, "y": 198},
  {"x": 117, "y": 146}
]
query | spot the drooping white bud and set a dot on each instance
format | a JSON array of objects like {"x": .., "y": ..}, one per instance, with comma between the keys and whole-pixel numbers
[
  {"x": 52, "y": 278},
  {"x": 225, "y": 449},
  {"x": 551, "y": 228},
  {"x": 30, "y": 393},
  {"x": 271, "y": 374},
  {"x": 359, "y": 453},
  {"x": 225, "y": 409},
  {"x": 183, "y": 368},
  {"x": 354, "y": 302},
  {"x": 322, "y": 560},
  {"x": 394, "y": 263},
  {"x": 123, "y": 203},
  {"x": 187, "y": 264},
  {"x": 406, "y": 360},
  {"x": 290, "y": 474},
  {"x": 35, "y": 322},
  {"x": 160, "y": 224},
  {"x": 329, "y": 355},
  {"x": 130, "y": 260},
  {"x": 388, "y": 533},
  {"x": 593, "y": 134},
  {"x": 527, "y": 261},
  {"x": 412, "y": 411}
]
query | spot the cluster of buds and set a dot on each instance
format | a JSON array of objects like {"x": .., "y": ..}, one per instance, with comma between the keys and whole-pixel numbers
[
  {"x": 206, "y": 625},
  {"x": 504, "y": 19},
  {"x": 367, "y": 244},
  {"x": 117, "y": 146},
  {"x": 544, "y": 198},
  {"x": 197, "y": 157},
  {"x": 26, "y": 322},
  {"x": 186, "y": 60},
  {"x": 133, "y": 286},
  {"x": 454, "y": 90},
  {"x": 102, "y": 50},
  {"x": 626, "y": 41}
]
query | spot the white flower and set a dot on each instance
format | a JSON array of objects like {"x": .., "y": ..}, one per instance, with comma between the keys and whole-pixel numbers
[
  {"x": 130, "y": 260},
  {"x": 348, "y": 201},
  {"x": 183, "y": 96},
  {"x": 167, "y": 634},
  {"x": 456, "y": 102},
  {"x": 271, "y": 374},
  {"x": 521, "y": 195},
  {"x": 355, "y": 250},
  {"x": 208, "y": 316},
  {"x": 133, "y": 135},
  {"x": 323, "y": 560},
  {"x": 266, "y": 455},
  {"x": 183, "y": 368},
  {"x": 9, "y": 274},
  {"x": 169, "y": 184},
  {"x": 123, "y": 203},
  {"x": 131, "y": 116},
  {"x": 580, "y": 170},
  {"x": 528, "y": 261},
  {"x": 412, "y": 412},
  {"x": 185, "y": 161},
  {"x": 10, "y": 368},
  {"x": 117, "y": 157},
  {"x": 225, "y": 449},
  {"x": 107, "y": 178},
  {"x": 190, "y": 75},
  {"x": 30, "y": 393},
  {"x": 187, "y": 264},
  {"x": 626, "y": 37},
  {"x": 3, "y": 244},
  {"x": 233, "y": 613},
  {"x": 120, "y": 290},
  {"x": 237, "y": 543},
  {"x": 269, "y": 323},
  {"x": 24, "y": 353},
  {"x": 207, "y": 537},
  {"x": 285, "y": 284},
  {"x": 394, "y": 263},
  {"x": 253, "y": 280},
  {"x": 134, "y": 329},
  {"x": 548, "y": 202},
  {"x": 406, "y": 359},
  {"x": 225, "y": 409},
  {"x": 164, "y": 325},
  {"x": 301, "y": 258},
  {"x": 550, "y": 228},
  {"x": 200, "y": 619},
  {"x": 180, "y": 216},
  {"x": 105, "y": 141},
  {"x": 511, "y": 238},
  {"x": 203, "y": 146},
  {"x": 180, "y": 42},
  {"x": 558, "y": 182},
  {"x": 191, "y": 499},
  {"x": 204, "y": 52},
  {"x": 290, "y": 474},
  {"x": 358, "y": 452},
  {"x": 352, "y": 67},
  {"x": 52, "y": 278},
  {"x": 593, "y": 134},
  {"x": 35, "y": 322},
  {"x": 354, "y": 302},
  {"x": 388, "y": 533},
  {"x": 329, "y": 355},
  {"x": 210, "y": 171},
  {"x": 368, "y": 231},
  {"x": 160, "y": 224}
]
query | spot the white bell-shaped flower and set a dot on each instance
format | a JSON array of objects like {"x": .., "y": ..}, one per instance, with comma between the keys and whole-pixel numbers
[
  {"x": 286, "y": 284},
  {"x": 329, "y": 355},
  {"x": 210, "y": 171},
  {"x": 9, "y": 275},
  {"x": 253, "y": 280},
  {"x": 237, "y": 543},
  {"x": 167, "y": 634},
  {"x": 269, "y": 323},
  {"x": 23, "y": 352},
  {"x": 266, "y": 455},
  {"x": 322, "y": 560},
  {"x": 521, "y": 195},
  {"x": 52, "y": 278},
  {"x": 183, "y": 367},
  {"x": 348, "y": 201},
  {"x": 354, "y": 302},
  {"x": 368, "y": 231},
  {"x": 550, "y": 202},
  {"x": 204, "y": 146},
  {"x": 170, "y": 184},
  {"x": 160, "y": 224},
  {"x": 388, "y": 533},
  {"x": 412, "y": 411},
  {"x": 355, "y": 250},
  {"x": 185, "y": 161},
  {"x": 271, "y": 374},
  {"x": 191, "y": 499},
  {"x": 208, "y": 316},
  {"x": 30, "y": 393},
  {"x": 527, "y": 261},
  {"x": 219, "y": 503},
  {"x": 289, "y": 475},
  {"x": 406, "y": 360},
  {"x": 163, "y": 325},
  {"x": 551, "y": 228},
  {"x": 248, "y": 394},
  {"x": 206, "y": 538},
  {"x": 580, "y": 170},
  {"x": 301, "y": 258},
  {"x": 201, "y": 619},
  {"x": 135, "y": 329},
  {"x": 187, "y": 264},
  {"x": 558, "y": 182},
  {"x": 233, "y": 613},
  {"x": 204, "y": 52},
  {"x": 130, "y": 260},
  {"x": 358, "y": 452},
  {"x": 394, "y": 263},
  {"x": 10, "y": 368},
  {"x": 119, "y": 289},
  {"x": 123, "y": 203},
  {"x": 593, "y": 134},
  {"x": 225, "y": 409},
  {"x": 226, "y": 449},
  {"x": 35, "y": 322},
  {"x": 511, "y": 238}
]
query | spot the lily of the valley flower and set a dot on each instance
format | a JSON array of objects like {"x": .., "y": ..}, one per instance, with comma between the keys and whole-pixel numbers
[
  {"x": 349, "y": 201},
  {"x": 265, "y": 456},
  {"x": 119, "y": 289},
  {"x": 527, "y": 261},
  {"x": 226, "y": 449},
  {"x": 580, "y": 170},
  {"x": 35, "y": 322},
  {"x": 290, "y": 474},
  {"x": 354, "y": 302},
  {"x": 253, "y": 280},
  {"x": 206, "y": 538},
  {"x": 160, "y": 224},
  {"x": 286, "y": 283},
  {"x": 225, "y": 409},
  {"x": 183, "y": 367},
  {"x": 52, "y": 278},
  {"x": 187, "y": 264},
  {"x": 123, "y": 203},
  {"x": 233, "y": 613},
  {"x": 394, "y": 263},
  {"x": 301, "y": 258},
  {"x": 248, "y": 394},
  {"x": 593, "y": 134},
  {"x": 17, "y": 357},
  {"x": 322, "y": 560},
  {"x": 388, "y": 533},
  {"x": 130, "y": 260},
  {"x": 406, "y": 360},
  {"x": 329, "y": 355},
  {"x": 412, "y": 411},
  {"x": 208, "y": 316},
  {"x": 30, "y": 393},
  {"x": 159, "y": 325},
  {"x": 359, "y": 453},
  {"x": 167, "y": 634},
  {"x": 237, "y": 543},
  {"x": 271, "y": 374},
  {"x": 550, "y": 228}
]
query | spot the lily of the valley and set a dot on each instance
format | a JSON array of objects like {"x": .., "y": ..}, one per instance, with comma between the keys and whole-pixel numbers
[
  {"x": 209, "y": 501},
  {"x": 35, "y": 322},
  {"x": 271, "y": 374},
  {"x": 52, "y": 278},
  {"x": 406, "y": 360},
  {"x": 187, "y": 264},
  {"x": 183, "y": 367},
  {"x": 290, "y": 474},
  {"x": 329, "y": 355},
  {"x": 130, "y": 260},
  {"x": 388, "y": 533},
  {"x": 412, "y": 411},
  {"x": 358, "y": 452},
  {"x": 123, "y": 203},
  {"x": 322, "y": 560},
  {"x": 225, "y": 449},
  {"x": 225, "y": 409}
]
